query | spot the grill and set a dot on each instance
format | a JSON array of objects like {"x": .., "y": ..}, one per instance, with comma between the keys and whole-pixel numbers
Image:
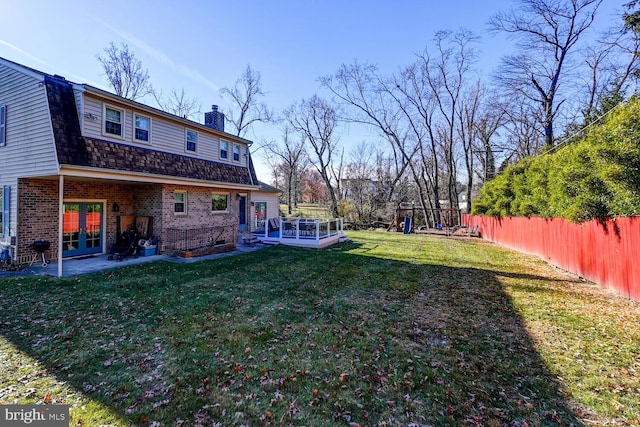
[{"x": 40, "y": 246}]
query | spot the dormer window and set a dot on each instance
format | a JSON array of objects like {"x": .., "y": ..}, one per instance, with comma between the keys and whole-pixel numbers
[
  {"x": 113, "y": 121},
  {"x": 236, "y": 153}
]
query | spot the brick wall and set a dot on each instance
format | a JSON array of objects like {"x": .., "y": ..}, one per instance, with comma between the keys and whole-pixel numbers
[
  {"x": 199, "y": 212},
  {"x": 38, "y": 210},
  {"x": 37, "y": 217}
]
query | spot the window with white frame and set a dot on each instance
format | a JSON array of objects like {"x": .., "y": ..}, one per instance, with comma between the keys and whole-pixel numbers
[
  {"x": 180, "y": 202},
  {"x": 191, "y": 137},
  {"x": 113, "y": 121},
  {"x": 236, "y": 153},
  {"x": 3, "y": 125},
  {"x": 141, "y": 128},
  {"x": 224, "y": 150},
  {"x": 219, "y": 202},
  {"x": 1, "y": 212},
  {"x": 5, "y": 201}
]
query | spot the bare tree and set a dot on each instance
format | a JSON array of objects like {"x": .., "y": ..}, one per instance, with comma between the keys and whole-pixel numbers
[
  {"x": 547, "y": 31},
  {"x": 359, "y": 184},
  {"x": 177, "y": 103},
  {"x": 288, "y": 156},
  {"x": 372, "y": 101},
  {"x": 247, "y": 107},
  {"x": 447, "y": 77},
  {"x": 316, "y": 120},
  {"x": 491, "y": 117},
  {"x": 523, "y": 137},
  {"x": 124, "y": 72}
]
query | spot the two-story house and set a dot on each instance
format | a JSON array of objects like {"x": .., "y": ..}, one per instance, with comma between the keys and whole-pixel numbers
[{"x": 76, "y": 160}]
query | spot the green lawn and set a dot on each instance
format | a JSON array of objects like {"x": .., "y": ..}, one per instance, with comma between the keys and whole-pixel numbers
[{"x": 386, "y": 329}]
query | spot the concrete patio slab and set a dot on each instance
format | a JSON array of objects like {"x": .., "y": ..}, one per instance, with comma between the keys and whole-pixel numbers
[{"x": 84, "y": 265}]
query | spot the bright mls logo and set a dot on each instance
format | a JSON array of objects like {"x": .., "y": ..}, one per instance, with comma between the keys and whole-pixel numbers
[{"x": 34, "y": 415}]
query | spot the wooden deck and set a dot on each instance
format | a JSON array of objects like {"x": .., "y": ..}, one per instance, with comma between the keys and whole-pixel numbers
[{"x": 302, "y": 232}]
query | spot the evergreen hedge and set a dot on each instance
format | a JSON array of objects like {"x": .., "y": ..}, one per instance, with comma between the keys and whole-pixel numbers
[{"x": 596, "y": 178}]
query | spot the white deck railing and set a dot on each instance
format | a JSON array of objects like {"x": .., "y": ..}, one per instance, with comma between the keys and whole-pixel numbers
[{"x": 302, "y": 228}]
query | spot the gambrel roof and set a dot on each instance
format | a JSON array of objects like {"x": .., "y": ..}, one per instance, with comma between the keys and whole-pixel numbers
[{"x": 75, "y": 150}]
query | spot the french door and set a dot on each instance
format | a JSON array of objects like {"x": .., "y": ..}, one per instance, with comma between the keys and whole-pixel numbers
[
  {"x": 82, "y": 228},
  {"x": 260, "y": 217}
]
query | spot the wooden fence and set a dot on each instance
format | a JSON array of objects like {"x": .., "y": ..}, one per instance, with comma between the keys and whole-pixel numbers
[{"x": 606, "y": 253}]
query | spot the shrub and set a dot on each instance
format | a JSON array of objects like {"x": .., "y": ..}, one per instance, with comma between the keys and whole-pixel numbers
[{"x": 596, "y": 178}]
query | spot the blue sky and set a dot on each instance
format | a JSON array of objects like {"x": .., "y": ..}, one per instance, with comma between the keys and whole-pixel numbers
[{"x": 205, "y": 45}]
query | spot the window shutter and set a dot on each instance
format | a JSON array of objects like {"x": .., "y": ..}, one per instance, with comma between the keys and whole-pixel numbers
[
  {"x": 6, "y": 212},
  {"x": 3, "y": 125}
]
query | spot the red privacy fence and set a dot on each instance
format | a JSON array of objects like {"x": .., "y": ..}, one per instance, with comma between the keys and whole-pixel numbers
[{"x": 605, "y": 253}]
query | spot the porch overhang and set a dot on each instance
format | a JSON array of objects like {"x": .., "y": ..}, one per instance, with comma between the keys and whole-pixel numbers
[{"x": 89, "y": 173}]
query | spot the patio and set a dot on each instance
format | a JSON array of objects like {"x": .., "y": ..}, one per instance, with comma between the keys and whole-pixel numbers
[{"x": 92, "y": 264}]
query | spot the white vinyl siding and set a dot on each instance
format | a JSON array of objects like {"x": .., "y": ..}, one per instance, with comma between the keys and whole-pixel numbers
[
  {"x": 273, "y": 204},
  {"x": 166, "y": 135},
  {"x": 30, "y": 148}
]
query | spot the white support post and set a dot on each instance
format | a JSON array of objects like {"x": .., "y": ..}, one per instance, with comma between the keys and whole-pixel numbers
[
  {"x": 280, "y": 228},
  {"x": 297, "y": 228},
  {"x": 60, "y": 221},
  {"x": 317, "y": 229}
]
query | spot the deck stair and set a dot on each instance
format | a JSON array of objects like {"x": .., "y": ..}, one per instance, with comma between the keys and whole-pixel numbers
[{"x": 248, "y": 239}]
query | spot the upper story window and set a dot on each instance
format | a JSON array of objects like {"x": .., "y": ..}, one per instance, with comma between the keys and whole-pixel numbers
[
  {"x": 180, "y": 202},
  {"x": 236, "y": 153},
  {"x": 141, "y": 128},
  {"x": 219, "y": 202},
  {"x": 224, "y": 150},
  {"x": 3, "y": 125},
  {"x": 191, "y": 141},
  {"x": 113, "y": 121}
]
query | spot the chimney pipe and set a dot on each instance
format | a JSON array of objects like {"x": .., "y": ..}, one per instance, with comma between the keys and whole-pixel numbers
[{"x": 214, "y": 119}]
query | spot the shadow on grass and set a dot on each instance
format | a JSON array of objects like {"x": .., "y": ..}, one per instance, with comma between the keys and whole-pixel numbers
[{"x": 289, "y": 336}]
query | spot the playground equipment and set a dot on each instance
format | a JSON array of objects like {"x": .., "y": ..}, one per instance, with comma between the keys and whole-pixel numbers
[{"x": 403, "y": 220}]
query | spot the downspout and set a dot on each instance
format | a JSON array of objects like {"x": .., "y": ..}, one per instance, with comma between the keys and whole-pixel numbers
[
  {"x": 250, "y": 162},
  {"x": 60, "y": 221}
]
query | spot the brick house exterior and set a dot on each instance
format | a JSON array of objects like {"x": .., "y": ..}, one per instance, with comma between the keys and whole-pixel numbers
[{"x": 75, "y": 149}]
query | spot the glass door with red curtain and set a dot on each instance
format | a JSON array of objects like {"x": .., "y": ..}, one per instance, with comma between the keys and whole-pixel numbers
[{"x": 82, "y": 228}]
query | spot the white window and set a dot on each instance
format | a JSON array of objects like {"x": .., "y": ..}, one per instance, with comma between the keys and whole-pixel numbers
[
  {"x": 236, "y": 153},
  {"x": 180, "y": 202},
  {"x": 219, "y": 202},
  {"x": 113, "y": 121},
  {"x": 191, "y": 143},
  {"x": 141, "y": 128},
  {"x": 224, "y": 149},
  {"x": 5, "y": 200},
  {"x": 1, "y": 212},
  {"x": 3, "y": 125}
]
